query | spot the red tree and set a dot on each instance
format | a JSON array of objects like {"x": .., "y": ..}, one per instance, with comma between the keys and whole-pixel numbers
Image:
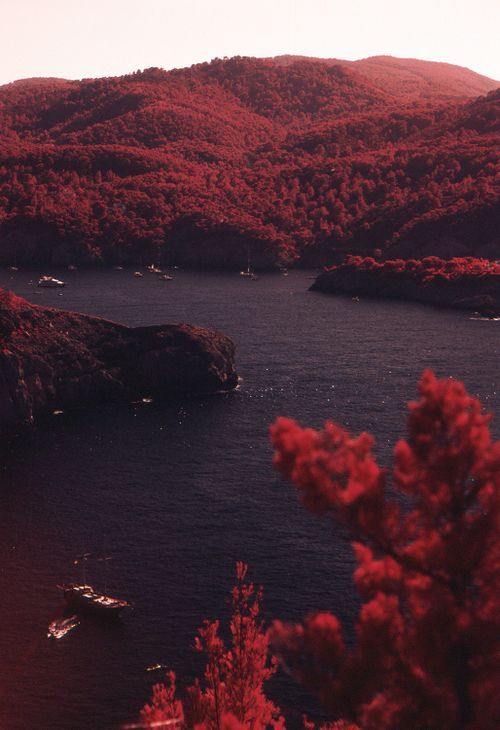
[
  {"x": 232, "y": 695},
  {"x": 428, "y": 561}
]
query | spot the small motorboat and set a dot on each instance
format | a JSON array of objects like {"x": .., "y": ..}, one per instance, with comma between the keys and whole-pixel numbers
[
  {"x": 166, "y": 277},
  {"x": 13, "y": 268},
  {"x": 62, "y": 626},
  {"x": 117, "y": 268},
  {"x": 138, "y": 274},
  {"x": 155, "y": 667},
  {"x": 153, "y": 269},
  {"x": 355, "y": 299},
  {"x": 49, "y": 282}
]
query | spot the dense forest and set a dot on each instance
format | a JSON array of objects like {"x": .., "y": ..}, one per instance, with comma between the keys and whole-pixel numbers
[
  {"x": 463, "y": 283},
  {"x": 290, "y": 159}
]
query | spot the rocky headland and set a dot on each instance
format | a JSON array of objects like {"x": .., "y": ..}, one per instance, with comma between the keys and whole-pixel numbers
[
  {"x": 50, "y": 359},
  {"x": 469, "y": 284}
]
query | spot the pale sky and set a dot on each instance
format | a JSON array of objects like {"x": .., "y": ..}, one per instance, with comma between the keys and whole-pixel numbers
[{"x": 89, "y": 38}]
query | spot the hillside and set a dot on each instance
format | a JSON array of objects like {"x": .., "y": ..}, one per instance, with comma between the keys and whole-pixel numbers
[
  {"x": 466, "y": 283},
  {"x": 292, "y": 158}
]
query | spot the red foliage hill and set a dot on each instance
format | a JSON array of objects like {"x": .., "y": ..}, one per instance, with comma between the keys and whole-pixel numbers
[
  {"x": 410, "y": 76},
  {"x": 292, "y": 158},
  {"x": 464, "y": 283}
]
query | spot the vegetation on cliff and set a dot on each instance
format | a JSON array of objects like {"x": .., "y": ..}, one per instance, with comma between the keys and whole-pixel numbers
[
  {"x": 290, "y": 157},
  {"x": 50, "y": 359},
  {"x": 463, "y": 283}
]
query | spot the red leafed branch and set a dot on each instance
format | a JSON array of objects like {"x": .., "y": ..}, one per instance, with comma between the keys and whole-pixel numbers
[
  {"x": 426, "y": 636},
  {"x": 231, "y": 695}
]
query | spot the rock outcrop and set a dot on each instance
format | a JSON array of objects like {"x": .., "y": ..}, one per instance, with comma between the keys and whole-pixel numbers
[
  {"x": 476, "y": 293},
  {"x": 50, "y": 359}
]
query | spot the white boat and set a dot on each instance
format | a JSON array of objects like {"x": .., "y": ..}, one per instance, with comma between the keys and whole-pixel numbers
[
  {"x": 138, "y": 274},
  {"x": 118, "y": 268},
  {"x": 84, "y": 598},
  {"x": 61, "y": 626},
  {"x": 166, "y": 277},
  {"x": 153, "y": 269},
  {"x": 248, "y": 273},
  {"x": 50, "y": 282},
  {"x": 155, "y": 667}
]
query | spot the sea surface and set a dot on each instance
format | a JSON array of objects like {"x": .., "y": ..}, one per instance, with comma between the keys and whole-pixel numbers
[{"x": 176, "y": 493}]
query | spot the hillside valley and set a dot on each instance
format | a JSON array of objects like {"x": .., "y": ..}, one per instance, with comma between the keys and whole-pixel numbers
[{"x": 284, "y": 160}]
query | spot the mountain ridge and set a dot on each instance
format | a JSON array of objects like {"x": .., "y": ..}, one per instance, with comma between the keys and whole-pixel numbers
[{"x": 305, "y": 161}]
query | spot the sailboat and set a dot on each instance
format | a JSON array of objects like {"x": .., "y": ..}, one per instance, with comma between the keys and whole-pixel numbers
[
  {"x": 248, "y": 273},
  {"x": 83, "y": 598}
]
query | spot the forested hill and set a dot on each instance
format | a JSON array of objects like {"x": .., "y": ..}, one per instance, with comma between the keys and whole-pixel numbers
[{"x": 290, "y": 158}]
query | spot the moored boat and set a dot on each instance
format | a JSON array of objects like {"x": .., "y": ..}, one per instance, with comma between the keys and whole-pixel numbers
[
  {"x": 84, "y": 598},
  {"x": 50, "y": 282}
]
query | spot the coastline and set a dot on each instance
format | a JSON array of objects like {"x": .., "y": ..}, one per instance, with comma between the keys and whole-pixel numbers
[{"x": 480, "y": 294}]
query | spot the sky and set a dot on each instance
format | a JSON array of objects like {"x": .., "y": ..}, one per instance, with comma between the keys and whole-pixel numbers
[{"x": 88, "y": 38}]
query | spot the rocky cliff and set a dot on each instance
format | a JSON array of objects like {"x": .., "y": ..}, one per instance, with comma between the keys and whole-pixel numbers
[
  {"x": 476, "y": 293},
  {"x": 51, "y": 360}
]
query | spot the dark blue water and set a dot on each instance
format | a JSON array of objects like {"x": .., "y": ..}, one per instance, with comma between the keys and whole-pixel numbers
[{"x": 179, "y": 492}]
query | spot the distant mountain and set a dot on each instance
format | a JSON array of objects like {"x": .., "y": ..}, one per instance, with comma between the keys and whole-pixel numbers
[
  {"x": 290, "y": 158},
  {"x": 410, "y": 76}
]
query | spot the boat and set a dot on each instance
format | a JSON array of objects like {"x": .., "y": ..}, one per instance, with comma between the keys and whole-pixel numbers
[
  {"x": 153, "y": 269},
  {"x": 62, "y": 626},
  {"x": 138, "y": 274},
  {"x": 50, "y": 282},
  {"x": 118, "y": 268},
  {"x": 248, "y": 271},
  {"x": 355, "y": 299},
  {"x": 166, "y": 277},
  {"x": 155, "y": 667},
  {"x": 13, "y": 268},
  {"x": 85, "y": 599},
  {"x": 72, "y": 267}
]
